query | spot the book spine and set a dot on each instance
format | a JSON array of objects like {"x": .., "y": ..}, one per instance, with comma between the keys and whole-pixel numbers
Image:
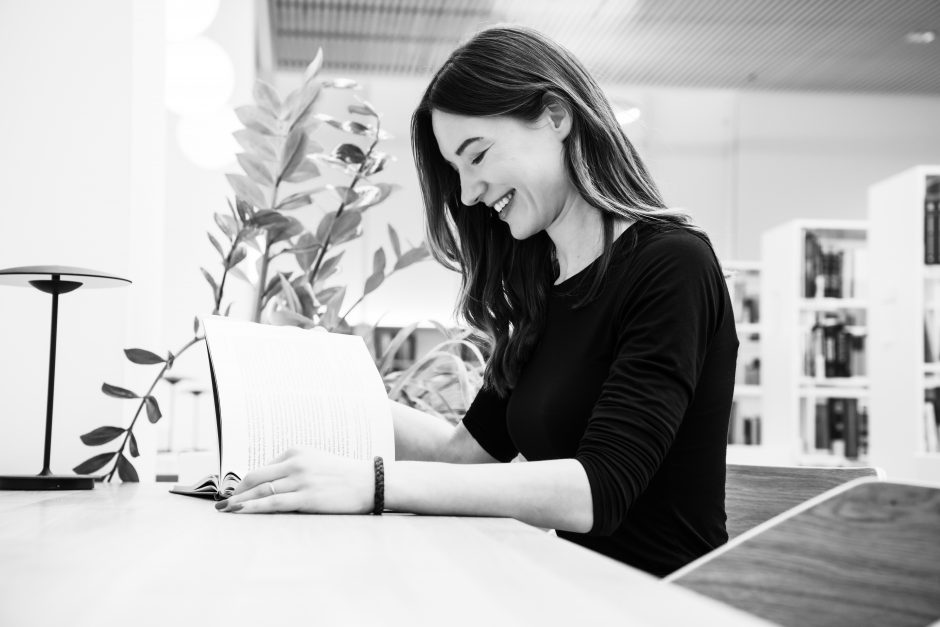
[
  {"x": 930, "y": 227},
  {"x": 810, "y": 265},
  {"x": 823, "y": 429},
  {"x": 851, "y": 428},
  {"x": 837, "y": 426}
]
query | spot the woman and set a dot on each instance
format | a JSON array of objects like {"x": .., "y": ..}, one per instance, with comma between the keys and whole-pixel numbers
[{"x": 612, "y": 337}]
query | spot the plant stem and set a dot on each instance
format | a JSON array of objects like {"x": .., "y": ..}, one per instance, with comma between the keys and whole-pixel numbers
[
  {"x": 342, "y": 205},
  {"x": 143, "y": 401},
  {"x": 262, "y": 281}
]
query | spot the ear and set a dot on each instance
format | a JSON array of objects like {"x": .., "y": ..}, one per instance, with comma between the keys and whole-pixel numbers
[{"x": 558, "y": 116}]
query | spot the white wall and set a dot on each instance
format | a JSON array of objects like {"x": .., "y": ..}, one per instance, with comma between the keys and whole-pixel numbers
[{"x": 75, "y": 120}]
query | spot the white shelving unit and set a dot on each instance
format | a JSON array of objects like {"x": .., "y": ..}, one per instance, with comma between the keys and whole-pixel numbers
[
  {"x": 794, "y": 381},
  {"x": 905, "y": 293},
  {"x": 745, "y": 430}
]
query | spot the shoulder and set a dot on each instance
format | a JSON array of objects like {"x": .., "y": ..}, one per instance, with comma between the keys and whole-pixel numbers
[{"x": 673, "y": 250}]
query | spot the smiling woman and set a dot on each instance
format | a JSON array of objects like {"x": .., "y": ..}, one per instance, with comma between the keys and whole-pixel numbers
[{"x": 609, "y": 322}]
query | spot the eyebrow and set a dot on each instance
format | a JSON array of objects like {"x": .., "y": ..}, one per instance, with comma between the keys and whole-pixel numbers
[{"x": 466, "y": 143}]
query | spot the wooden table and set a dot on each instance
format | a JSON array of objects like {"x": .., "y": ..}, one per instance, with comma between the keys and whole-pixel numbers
[{"x": 135, "y": 555}]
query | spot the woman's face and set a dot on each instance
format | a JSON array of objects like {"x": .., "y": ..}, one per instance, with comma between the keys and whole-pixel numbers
[{"x": 515, "y": 168}]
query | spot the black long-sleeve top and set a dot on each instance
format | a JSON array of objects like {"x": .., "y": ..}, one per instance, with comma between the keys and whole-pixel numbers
[{"x": 636, "y": 386}]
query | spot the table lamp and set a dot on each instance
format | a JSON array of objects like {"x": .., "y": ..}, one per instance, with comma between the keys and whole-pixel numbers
[{"x": 51, "y": 280}]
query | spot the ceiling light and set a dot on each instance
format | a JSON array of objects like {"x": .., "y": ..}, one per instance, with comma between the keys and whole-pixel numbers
[{"x": 921, "y": 37}]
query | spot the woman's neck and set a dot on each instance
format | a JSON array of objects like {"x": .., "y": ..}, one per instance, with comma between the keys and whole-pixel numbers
[{"x": 578, "y": 236}]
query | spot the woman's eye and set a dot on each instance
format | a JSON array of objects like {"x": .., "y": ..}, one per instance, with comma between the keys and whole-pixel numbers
[{"x": 479, "y": 157}]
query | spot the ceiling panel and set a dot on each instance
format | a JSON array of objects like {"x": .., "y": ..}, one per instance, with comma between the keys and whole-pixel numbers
[{"x": 794, "y": 45}]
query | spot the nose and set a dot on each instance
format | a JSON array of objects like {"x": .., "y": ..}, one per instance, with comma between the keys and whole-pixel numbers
[{"x": 471, "y": 189}]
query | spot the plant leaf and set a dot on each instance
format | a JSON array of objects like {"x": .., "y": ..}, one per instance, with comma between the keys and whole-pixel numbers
[
  {"x": 303, "y": 109},
  {"x": 305, "y": 171},
  {"x": 349, "y": 153},
  {"x": 329, "y": 266},
  {"x": 135, "y": 452},
  {"x": 257, "y": 119},
  {"x": 294, "y": 152},
  {"x": 239, "y": 274},
  {"x": 371, "y": 195},
  {"x": 396, "y": 243},
  {"x": 255, "y": 143},
  {"x": 247, "y": 190},
  {"x": 92, "y": 464},
  {"x": 412, "y": 256},
  {"x": 101, "y": 435},
  {"x": 126, "y": 470},
  {"x": 325, "y": 226},
  {"x": 117, "y": 392},
  {"x": 153, "y": 409},
  {"x": 216, "y": 245},
  {"x": 378, "y": 272},
  {"x": 331, "y": 317},
  {"x": 345, "y": 227},
  {"x": 306, "y": 197},
  {"x": 305, "y": 250},
  {"x": 388, "y": 357},
  {"x": 314, "y": 67},
  {"x": 373, "y": 282},
  {"x": 285, "y": 230},
  {"x": 255, "y": 169},
  {"x": 195, "y": 325},
  {"x": 211, "y": 280},
  {"x": 290, "y": 296},
  {"x": 143, "y": 357},
  {"x": 237, "y": 256},
  {"x": 266, "y": 97},
  {"x": 245, "y": 212},
  {"x": 226, "y": 224},
  {"x": 349, "y": 126}
]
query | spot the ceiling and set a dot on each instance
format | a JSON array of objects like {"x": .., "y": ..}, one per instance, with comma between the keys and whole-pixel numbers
[{"x": 797, "y": 45}]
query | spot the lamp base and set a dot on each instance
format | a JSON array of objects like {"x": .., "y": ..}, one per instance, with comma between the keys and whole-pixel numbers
[{"x": 47, "y": 482}]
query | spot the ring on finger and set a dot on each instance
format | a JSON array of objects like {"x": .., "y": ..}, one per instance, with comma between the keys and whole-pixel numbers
[{"x": 271, "y": 487}]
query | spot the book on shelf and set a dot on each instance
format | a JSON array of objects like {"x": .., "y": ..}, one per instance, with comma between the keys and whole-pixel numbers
[
  {"x": 931, "y": 418},
  {"x": 833, "y": 268},
  {"x": 932, "y": 221},
  {"x": 835, "y": 347},
  {"x": 277, "y": 387},
  {"x": 743, "y": 429},
  {"x": 841, "y": 427}
]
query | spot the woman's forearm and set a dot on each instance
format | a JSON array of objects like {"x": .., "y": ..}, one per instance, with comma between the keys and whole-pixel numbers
[
  {"x": 418, "y": 436},
  {"x": 553, "y": 493}
]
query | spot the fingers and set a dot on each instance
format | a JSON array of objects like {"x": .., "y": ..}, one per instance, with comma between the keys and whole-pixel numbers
[
  {"x": 268, "y": 505},
  {"x": 262, "y": 475}
]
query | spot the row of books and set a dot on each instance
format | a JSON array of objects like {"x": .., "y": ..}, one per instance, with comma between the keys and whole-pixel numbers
[
  {"x": 841, "y": 427},
  {"x": 833, "y": 270},
  {"x": 932, "y": 221},
  {"x": 932, "y": 420},
  {"x": 743, "y": 428},
  {"x": 835, "y": 347}
]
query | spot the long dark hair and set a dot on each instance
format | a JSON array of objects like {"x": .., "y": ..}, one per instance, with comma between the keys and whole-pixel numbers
[{"x": 516, "y": 71}]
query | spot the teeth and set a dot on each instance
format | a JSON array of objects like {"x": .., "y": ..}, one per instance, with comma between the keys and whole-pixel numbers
[{"x": 500, "y": 204}]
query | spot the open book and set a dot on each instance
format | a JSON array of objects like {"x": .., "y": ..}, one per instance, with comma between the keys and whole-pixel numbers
[{"x": 278, "y": 387}]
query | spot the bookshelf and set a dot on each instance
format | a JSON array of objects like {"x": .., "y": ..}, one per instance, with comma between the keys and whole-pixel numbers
[
  {"x": 744, "y": 429},
  {"x": 905, "y": 323},
  {"x": 816, "y": 390}
]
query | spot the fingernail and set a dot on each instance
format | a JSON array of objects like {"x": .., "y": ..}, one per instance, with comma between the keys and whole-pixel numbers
[
  {"x": 221, "y": 504},
  {"x": 235, "y": 507}
]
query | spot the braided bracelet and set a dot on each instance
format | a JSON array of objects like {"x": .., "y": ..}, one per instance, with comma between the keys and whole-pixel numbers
[{"x": 378, "y": 503}]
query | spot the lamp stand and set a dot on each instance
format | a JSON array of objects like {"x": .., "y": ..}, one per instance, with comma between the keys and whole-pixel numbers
[{"x": 45, "y": 480}]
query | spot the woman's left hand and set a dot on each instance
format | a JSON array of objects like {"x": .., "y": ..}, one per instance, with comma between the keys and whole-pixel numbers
[{"x": 305, "y": 480}]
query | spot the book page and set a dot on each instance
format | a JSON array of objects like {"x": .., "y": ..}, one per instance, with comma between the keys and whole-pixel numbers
[{"x": 280, "y": 387}]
